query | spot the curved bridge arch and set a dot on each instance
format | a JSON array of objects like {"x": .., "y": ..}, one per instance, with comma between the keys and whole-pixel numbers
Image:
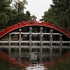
[
  {"x": 41, "y": 44},
  {"x": 32, "y": 23}
]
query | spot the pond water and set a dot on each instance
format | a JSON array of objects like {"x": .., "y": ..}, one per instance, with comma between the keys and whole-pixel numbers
[{"x": 36, "y": 67}]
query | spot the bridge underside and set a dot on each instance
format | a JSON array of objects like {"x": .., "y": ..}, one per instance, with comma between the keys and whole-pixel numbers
[{"x": 35, "y": 43}]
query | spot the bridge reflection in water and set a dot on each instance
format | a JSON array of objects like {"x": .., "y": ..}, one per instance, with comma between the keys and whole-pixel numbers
[{"x": 35, "y": 43}]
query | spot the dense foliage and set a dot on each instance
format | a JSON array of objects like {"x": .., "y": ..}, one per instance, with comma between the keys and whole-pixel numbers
[
  {"x": 58, "y": 13},
  {"x": 4, "y": 6},
  {"x": 13, "y": 13}
]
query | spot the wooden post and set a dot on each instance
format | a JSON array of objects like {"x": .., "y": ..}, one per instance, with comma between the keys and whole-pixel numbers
[
  {"x": 60, "y": 44},
  {"x": 9, "y": 44},
  {"x": 51, "y": 54},
  {"x": 19, "y": 44},
  {"x": 41, "y": 35},
  {"x": 30, "y": 47}
]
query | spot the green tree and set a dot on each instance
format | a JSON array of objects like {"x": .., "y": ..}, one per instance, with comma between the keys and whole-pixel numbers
[
  {"x": 49, "y": 16},
  {"x": 62, "y": 9},
  {"x": 3, "y": 20},
  {"x": 12, "y": 16},
  {"x": 59, "y": 13},
  {"x": 20, "y": 5},
  {"x": 28, "y": 15},
  {"x": 4, "y": 6},
  {"x": 15, "y": 17},
  {"x": 17, "y": 14},
  {"x": 33, "y": 17}
]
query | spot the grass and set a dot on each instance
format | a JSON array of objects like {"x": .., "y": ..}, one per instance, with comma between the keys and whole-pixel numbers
[{"x": 65, "y": 65}]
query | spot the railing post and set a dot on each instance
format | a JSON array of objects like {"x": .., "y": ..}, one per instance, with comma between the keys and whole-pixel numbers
[
  {"x": 51, "y": 47},
  {"x": 9, "y": 44},
  {"x": 60, "y": 44},
  {"x": 41, "y": 35},
  {"x": 19, "y": 44},
  {"x": 30, "y": 47}
]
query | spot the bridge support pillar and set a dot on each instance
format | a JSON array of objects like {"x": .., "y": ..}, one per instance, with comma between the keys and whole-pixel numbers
[
  {"x": 51, "y": 39},
  {"x": 19, "y": 52},
  {"x": 60, "y": 44},
  {"x": 30, "y": 51},
  {"x": 19, "y": 44},
  {"x": 9, "y": 44},
  {"x": 41, "y": 29},
  {"x": 30, "y": 47},
  {"x": 41, "y": 53}
]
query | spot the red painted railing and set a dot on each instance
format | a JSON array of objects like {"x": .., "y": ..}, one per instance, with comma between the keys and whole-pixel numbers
[{"x": 23, "y": 24}]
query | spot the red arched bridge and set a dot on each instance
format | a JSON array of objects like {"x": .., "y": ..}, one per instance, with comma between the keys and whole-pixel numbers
[
  {"x": 34, "y": 41},
  {"x": 25, "y": 24}
]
